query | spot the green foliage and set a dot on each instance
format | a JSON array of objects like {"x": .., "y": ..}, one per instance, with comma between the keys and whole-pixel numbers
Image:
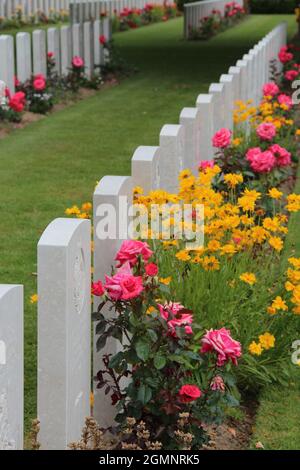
[{"x": 273, "y": 6}]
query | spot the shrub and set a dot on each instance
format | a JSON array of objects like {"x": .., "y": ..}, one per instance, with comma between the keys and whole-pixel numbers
[{"x": 273, "y": 6}]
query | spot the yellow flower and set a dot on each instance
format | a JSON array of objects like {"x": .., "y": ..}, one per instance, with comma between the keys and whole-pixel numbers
[
  {"x": 276, "y": 243},
  {"x": 210, "y": 263},
  {"x": 294, "y": 262},
  {"x": 183, "y": 255},
  {"x": 297, "y": 132},
  {"x": 86, "y": 207},
  {"x": 228, "y": 249},
  {"x": 92, "y": 400},
  {"x": 83, "y": 215},
  {"x": 137, "y": 190},
  {"x": 255, "y": 349},
  {"x": 248, "y": 199},
  {"x": 249, "y": 278},
  {"x": 271, "y": 224},
  {"x": 169, "y": 243},
  {"x": 267, "y": 341},
  {"x": 165, "y": 280},
  {"x": 213, "y": 245},
  {"x": 293, "y": 203},
  {"x": 237, "y": 141},
  {"x": 293, "y": 276},
  {"x": 33, "y": 298},
  {"x": 279, "y": 304},
  {"x": 289, "y": 287},
  {"x": 232, "y": 180},
  {"x": 150, "y": 310},
  {"x": 74, "y": 210}
]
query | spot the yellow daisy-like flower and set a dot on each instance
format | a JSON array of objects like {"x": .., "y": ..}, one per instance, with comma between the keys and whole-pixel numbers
[
  {"x": 276, "y": 243},
  {"x": 86, "y": 207},
  {"x": 165, "y": 280},
  {"x": 294, "y": 262},
  {"x": 237, "y": 141},
  {"x": 274, "y": 193},
  {"x": 74, "y": 210},
  {"x": 137, "y": 190},
  {"x": 267, "y": 340},
  {"x": 289, "y": 287},
  {"x": 255, "y": 348},
  {"x": 279, "y": 304},
  {"x": 248, "y": 278},
  {"x": 210, "y": 263},
  {"x": 183, "y": 255},
  {"x": 232, "y": 180},
  {"x": 34, "y": 298},
  {"x": 150, "y": 310},
  {"x": 297, "y": 132}
]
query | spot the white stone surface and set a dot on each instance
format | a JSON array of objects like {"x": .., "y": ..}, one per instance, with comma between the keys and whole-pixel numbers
[
  {"x": 77, "y": 40},
  {"x": 145, "y": 168},
  {"x": 88, "y": 49},
  {"x": 217, "y": 90},
  {"x": 66, "y": 49},
  {"x": 54, "y": 46},
  {"x": 115, "y": 191},
  {"x": 39, "y": 52},
  {"x": 7, "y": 67},
  {"x": 190, "y": 119},
  {"x": 171, "y": 143},
  {"x": 205, "y": 105},
  {"x": 11, "y": 367},
  {"x": 64, "y": 331},
  {"x": 23, "y": 53},
  {"x": 228, "y": 82}
]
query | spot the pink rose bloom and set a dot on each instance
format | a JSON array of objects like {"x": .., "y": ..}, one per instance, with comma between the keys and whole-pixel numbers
[
  {"x": 151, "y": 269},
  {"x": 97, "y": 289},
  {"x": 283, "y": 157},
  {"x": 171, "y": 313},
  {"x": 222, "y": 138},
  {"x": 285, "y": 99},
  {"x": 102, "y": 39},
  {"x": 285, "y": 56},
  {"x": 252, "y": 153},
  {"x": 123, "y": 285},
  {"x": 270, "y": 89},
  {"x": 290, "y": 75},
  {"x": 263, "y": 162},
  {"x": 217, "y": 383},
  {"x": 221, "y": 342},
  {"x": 39, "y": 83},
  {"x": 189, "y": 393},
  {"x": 50, "y": 55},
  {"x": 206, "y": 164},
  {"x": 17, "y": 101},
  {"x": 266, "y": 131},
  {"x": 130, "y": 250},
  {"x": 77, "y": 61}
]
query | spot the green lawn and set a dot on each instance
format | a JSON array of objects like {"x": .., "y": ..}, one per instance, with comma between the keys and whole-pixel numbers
[{"x": 55, "y": 162}]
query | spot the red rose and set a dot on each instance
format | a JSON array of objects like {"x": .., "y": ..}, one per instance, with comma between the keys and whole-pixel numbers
[
  {"x": 97, "y": 289},
  {"x": 151, "y": 269},
  {"x": 50, "y": 55},
  {"x": 102, "y": 39},
  {"x": 189, "y": 393},
  {"x": 17, "y": 101},
  {"x": 39, "y": 83}
]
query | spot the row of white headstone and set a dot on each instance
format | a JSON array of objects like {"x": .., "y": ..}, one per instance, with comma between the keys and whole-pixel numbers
[
  {"x": 82, "y": 10},
  {"x": 195, "y": 12},
  {"x": 64, "y": 273},
  {"x": 30, "y": 8},
  {"x": 65, "y": 43}
]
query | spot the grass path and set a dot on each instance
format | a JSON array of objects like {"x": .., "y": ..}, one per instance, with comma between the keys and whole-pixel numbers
[{"x": 55, "y": 162}]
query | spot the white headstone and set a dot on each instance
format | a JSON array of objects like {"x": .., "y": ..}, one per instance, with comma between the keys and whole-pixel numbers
[
  {"x": 88, "y": 49},
  {"x": 11, "y": 367},
  {"x": 145, "y": 168},
  {"x": 228, "y": 82},
  {"x": 111, "y": 192},
  {"x": 190, "y": 119},
  {"x": 64, "y": 331},
  {"x": 7, "y": 68},
  {"x": 54, "y": 46},
  {"x": 77, "y": 40},
  {"x": 217, "y": 90},
  {"x": 24, "y": 66},
  {"x": 172, "y": 145},
  {"x": 66, "y": 49},
  {"x": 205, "y": 105},
  {"x": 39, "y": 52}
]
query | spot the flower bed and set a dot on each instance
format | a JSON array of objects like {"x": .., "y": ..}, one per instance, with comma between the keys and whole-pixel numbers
[
  {"x": 132, "y": 18},
  {"x": 18, "y": 20},
  {"x": 201, "y": 327},
  {"x": 217, "y": 22}
]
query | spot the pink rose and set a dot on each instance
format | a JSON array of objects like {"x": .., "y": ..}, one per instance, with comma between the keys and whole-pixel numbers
[
  {"x": 123, "y": 285},
  {"x": 189, "y": 393},
  {"x": 266, "y": 131},
  {"x": 131, "y": 249},
  {"x": 285, "y": 99},
  {"x": 102, "y": 39},
  {"x": 290, "y": 75},
  {"x": 151, "y": 269},
  {"x": 176, "y": 316},
  {"x": 97, "y": 289},
  {"x": 263, "y": 162},
  {"x": 39, "y": 83},
  {"x": 222, "y": 138},
  {"x": 270, "y": 89},
  {"x": 221, "y": 342},
  {"x": 285, "y": 56},
  {"x": 217, "y": 383},
  {"x": 252, "y": 153},
  {"x": 17, "y": 101},
  {"x": 50, "y": 55},
  {"x": 206, "y": 164},
  {"x": 283, "y": 157},
  {"x": 77, "y": 62}
]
